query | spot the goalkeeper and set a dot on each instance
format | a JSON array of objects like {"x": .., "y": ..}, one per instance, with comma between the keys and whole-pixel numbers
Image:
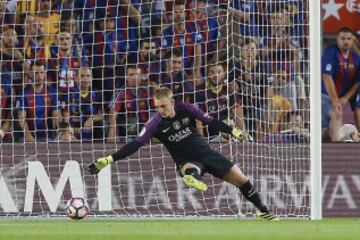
[{"x": 174, "y": 125}]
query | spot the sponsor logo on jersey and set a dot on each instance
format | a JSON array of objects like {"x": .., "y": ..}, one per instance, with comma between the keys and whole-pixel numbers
[{"x": 182, "y": 134}]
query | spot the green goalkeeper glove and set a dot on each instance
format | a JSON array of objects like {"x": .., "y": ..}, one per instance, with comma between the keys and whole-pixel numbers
[
  {"x": 100, "y": 163},
  {"x": 242, "y": 135}
]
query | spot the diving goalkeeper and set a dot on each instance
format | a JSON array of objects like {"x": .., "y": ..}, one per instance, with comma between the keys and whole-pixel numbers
[{"x": 174, "y": 125}]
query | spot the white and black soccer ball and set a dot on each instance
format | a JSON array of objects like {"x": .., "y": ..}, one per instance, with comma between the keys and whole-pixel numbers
[{"x": 77, "y": 208}]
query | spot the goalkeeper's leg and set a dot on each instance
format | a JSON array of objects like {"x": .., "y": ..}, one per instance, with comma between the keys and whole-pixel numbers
[
  {"x": 237, "y": 178},
  {"x": 191, "y": 175}
]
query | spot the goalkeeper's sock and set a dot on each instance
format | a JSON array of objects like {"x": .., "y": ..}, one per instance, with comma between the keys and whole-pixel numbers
[{"x": 253, "y": 196}]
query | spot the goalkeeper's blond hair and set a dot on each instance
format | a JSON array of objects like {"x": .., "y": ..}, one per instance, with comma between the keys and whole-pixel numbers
[{"x": 162, "y": 92}]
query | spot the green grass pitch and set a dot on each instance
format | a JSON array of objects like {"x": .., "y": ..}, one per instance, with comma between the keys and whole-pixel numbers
[{"x": 179, "y": 229}]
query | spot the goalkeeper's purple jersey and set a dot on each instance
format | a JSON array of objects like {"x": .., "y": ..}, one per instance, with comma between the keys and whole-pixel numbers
[{"x": 179, "y": 134}]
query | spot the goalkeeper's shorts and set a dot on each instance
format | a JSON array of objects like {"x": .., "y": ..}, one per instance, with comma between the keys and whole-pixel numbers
[{"x": 210, "y": 161}]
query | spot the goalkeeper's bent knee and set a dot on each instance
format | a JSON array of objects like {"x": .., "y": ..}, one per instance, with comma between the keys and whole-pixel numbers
[{"x": 193, "y": 171}]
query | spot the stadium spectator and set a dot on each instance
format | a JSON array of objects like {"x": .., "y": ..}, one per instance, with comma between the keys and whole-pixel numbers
[
  {"x": 357, "y": 110},
  {"x": 86, "y": 117},
  {"x": 285, "y": 126},
  {"x": 183, "y": 34},
  {"x": 62, "y": 70},
  {"x": 147, "y": 59},
  {"x": 175, "y": 77},
  {"x": 5, "y": 112},
  {"x": 150, "y": 11},
  {"x": 32, "y": 7},
  {"x": 278, "y": 42},
  {"x": 349, "y": 133},
  {"x": 288, "y": 15},
  {"x": 129, "y": 110},
  {"x": 48, "y": 15},
  {"x": 290, "y": 86},
  {"x": 12, "y": 65},
  {"x": 249, "y": 17},
  {"x": 278, "y": 112},
  {"x": 254, "y": 79},
  {"x": 69, "y": 24},
  {"x": 6, "y": 17},
  {"x": 296, "y": 11},
  {"x": 84, "y": 11},
  {"x": 209, "y": 27},
  {"x": 35, "y": 45},
  {"x": 156, "y": 35},
  {"x": 66, "y": 133},
  {"x": 129, "y": 22},
  {"x": 66, "y": 5},
  {"x": 218, "y": 99},
  {"x": 64, "y": 62},
  {"x": 37, "y": 109},
  {"x": 340, "y": 82},
  {"x": 108, "y": 53}
]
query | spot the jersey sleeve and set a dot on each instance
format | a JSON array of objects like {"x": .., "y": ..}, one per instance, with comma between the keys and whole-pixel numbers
[
  {"x": 148, "y": 130},
  {"x": 357, "y": 65},
  {"x": 328, "y": 63},
  {"x": 197, "y": 113}
]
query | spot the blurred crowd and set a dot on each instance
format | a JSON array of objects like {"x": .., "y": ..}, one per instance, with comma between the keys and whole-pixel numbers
[{"x": 85, "y": 70}]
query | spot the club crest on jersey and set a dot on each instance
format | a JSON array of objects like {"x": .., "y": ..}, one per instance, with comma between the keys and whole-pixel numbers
[
  {"x": 186, "y": 121},
  {"x": 176, "y": 125}
]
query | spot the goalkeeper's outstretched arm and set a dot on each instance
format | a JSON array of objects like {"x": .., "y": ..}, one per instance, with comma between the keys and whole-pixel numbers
[
  {"x": 144, "y": 136},
  {"x": 217, "y": 125},
  {"x": 127, "y": 150}
]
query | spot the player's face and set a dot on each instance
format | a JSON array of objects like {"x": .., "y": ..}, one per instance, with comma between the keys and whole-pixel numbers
[
  {"x": 85, "y": 78},
  {"x": 148, "y": 48},
  {"x": 110, "y": 24},
  {"x": 69, "y": 26},
  {"x": 2, "y": 6},
  {"x": 133, "y": 77},
  {"x": 249, "y": 51},
  {"x": 39, "y": 74},
  {"x": 30, "y": 28},
  {"x": 176, "y": 64},
  {"x": 65, "y": 40},
  {"x": 165, "y": 106},
  {"x": 45, "y": 5},
  {"x": 10, "y": 38},
  {"x": 145, "y": 49},
  {"x": 38, "y": 28},
  {"x": 345, "y": 41},
  {"x": 179, "y": 13},
  {"x": 216, "y": 75},
  {"x": 278, "y": 18}
]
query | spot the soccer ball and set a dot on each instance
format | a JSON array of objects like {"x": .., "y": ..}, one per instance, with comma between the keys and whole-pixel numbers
[{"x": 77, "y": 208}]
